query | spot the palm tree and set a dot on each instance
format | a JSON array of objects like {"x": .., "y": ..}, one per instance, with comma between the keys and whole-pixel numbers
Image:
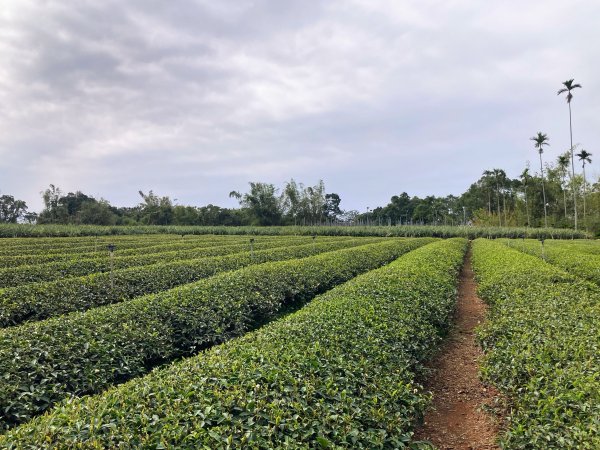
[
  {"x": 584, "y": 156},
  {"x": 568, "y": 87},
  {"x": 563, "y": 166},
  {"x": 525, "y": 178},
  {"x": 540, "y": 140}
]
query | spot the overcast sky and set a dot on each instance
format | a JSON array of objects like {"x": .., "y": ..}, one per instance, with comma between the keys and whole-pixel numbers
[{"x": 195, "y": 98}]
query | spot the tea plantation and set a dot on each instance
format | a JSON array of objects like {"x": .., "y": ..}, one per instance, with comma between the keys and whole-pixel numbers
[{"x": 284, "y": 341}]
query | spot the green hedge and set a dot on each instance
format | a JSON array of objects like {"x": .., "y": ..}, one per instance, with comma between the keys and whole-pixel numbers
[
  {"x": 37, "y": 301},
  {"x": 398, "y": 231},
  {"x": 83, "y": 353},
  {"x": 37, "y": 273},
  {"x": 542, "y": 347},
  {"x": 339, "y": 373}
]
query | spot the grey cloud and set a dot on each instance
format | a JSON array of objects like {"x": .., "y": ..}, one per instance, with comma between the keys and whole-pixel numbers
[{"x": 195, "y": 98}]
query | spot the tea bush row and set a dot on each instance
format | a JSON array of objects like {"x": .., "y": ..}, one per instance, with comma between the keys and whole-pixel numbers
[
  {"x": 542, "y": 346},
  {"x": 566, "y": 256}
]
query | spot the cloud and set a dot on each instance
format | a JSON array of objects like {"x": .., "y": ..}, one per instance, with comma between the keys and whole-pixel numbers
[{"x": 196, "y": 98}]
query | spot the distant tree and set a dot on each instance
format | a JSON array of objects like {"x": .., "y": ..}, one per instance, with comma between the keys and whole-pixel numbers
[
  {"x": 291, "y": 201},
  {"x": 496, "y": 174},
  {"x": 525, "y": 181},
  {"x": 96, "y": 213},
  {"x": 315, "y": 202},
  {"x": 155, "y": 210},
  {"x": 30, "y": 217},
  {"x": 488, "y": 182},
  {"x": 400, "y": 208},
  {"x": 73, "y": 202},
  {"x": 186, "y": 215},
  {"x": 214, "y": 215},
  {"x": 53, "y": 212},
  {"x": 235, "y": 194},
  {"x": 563, "y": 166},
  {"x": 540, "y": 140},
  {"x": 126, "y": 215},
  {"x": 261, "y": 204},
  {"x": 421, "y": 214},
  {"x": 569, "y": 86},
  {"x": 303, "y": 204},
  {"x": 501, "y": 181},
  {"x": 11, "y": 210},
  {"x": 584, "y": 156},
  {"x": 75, "y": 208},
  {"x": 332, "y": 206},
  {"x": 51, "y": 196},
  {"x": 479, "y": 197},
  {"x": 349, "y": 217}
]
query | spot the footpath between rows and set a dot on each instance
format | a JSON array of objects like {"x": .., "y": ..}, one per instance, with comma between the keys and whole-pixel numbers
[{"x": 458, "y": 418}]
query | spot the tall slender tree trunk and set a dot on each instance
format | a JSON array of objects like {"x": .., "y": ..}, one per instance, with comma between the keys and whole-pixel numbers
[
  {"x": 584, "y": 196},
  {"x": 544, "y": 193},
  {"x": 498, "y": 201},
  {"x": 564, "y": 195},
  {"x": 504, "y": 208},
  {"x": 527, "y": 208},
  {"x": 572, "y": 166}
]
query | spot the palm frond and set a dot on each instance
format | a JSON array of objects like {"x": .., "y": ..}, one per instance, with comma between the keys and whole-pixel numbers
[{"x": 584, "y": 156}]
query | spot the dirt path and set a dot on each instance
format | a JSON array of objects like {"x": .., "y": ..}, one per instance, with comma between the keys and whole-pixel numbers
[{"x": 456, "y": 420}]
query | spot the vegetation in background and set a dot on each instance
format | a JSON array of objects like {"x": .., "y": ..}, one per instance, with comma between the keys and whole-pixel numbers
[
  {"x": 13, "y": 211},
  {"x": 493, "y": 200}
]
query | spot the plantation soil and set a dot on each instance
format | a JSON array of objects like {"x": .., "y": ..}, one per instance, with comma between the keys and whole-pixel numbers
[{"x": 458, "y": 418}]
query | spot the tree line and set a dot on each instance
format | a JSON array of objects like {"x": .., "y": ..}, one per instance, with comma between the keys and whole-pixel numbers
[
  {"x": 531, "y": 199},
  {"x": 263, "y": 204}
]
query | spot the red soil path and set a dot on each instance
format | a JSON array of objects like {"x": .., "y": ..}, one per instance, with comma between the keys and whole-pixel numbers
[{"x": 456, "y": 419}]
